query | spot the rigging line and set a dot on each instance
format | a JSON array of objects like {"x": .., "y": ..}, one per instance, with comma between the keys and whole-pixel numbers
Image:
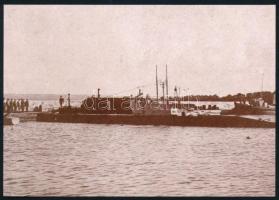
[
  {"x": 137, "y": 87},
  {"x": 124, "y": 91}
]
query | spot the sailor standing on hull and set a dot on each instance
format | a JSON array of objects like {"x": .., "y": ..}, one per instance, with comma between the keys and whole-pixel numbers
[
  {"x": 22, "y": 105},
  {"x": 18, "y": 105},
  {"x": 61, "y": 101},
  {"x": 26, "y": 104},
  {"x": 14, "y": 105},
  {"x": 11, "y": 105},
  {"x": 8, "y": 106}
]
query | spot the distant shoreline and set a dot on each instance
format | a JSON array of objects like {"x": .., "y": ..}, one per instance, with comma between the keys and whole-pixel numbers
[{"x": 266, "y": 95}]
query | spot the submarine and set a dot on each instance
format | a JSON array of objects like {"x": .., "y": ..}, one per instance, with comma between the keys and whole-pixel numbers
[
  {"x": 144, "y": 111},
  {"x": 137, "y": 110}
]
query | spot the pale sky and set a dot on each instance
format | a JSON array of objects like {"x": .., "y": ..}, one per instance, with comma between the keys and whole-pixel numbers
[{"x": 209, "y": 49}]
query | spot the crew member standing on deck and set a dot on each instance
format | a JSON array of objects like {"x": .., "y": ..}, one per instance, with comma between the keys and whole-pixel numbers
[
  {"x": 26, "y": 104},
  {"x": 14, "y": 105},
  {"x": 11, "y": 105},
  {"x": 22, "y": 105},
  {"x": 40, "y": 109},
  {"x": 61, "y": 101},
  {"x": 18, "y": 105},
  {"x": 69, "y": 100},
  {"x": 8, "y": 106}
]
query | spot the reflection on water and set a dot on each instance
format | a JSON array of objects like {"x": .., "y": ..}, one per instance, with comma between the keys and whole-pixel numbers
[{"x": 52, "y": 159}]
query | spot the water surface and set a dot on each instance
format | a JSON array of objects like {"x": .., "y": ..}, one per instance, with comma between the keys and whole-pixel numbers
[{"x": 56, "y": 159}]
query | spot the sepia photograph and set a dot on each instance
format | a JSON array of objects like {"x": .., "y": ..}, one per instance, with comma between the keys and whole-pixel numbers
[{"x": 139, "y": 100}]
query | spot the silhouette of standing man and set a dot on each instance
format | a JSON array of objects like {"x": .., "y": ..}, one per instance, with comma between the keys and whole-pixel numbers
[
  {"x": 11, "y": 105},
  {"x": 22, "y": 105},
  {"x": 18, "y": 105},
  {"x": 8, "y": 106},
  {"x": 14, "y": 105},
  {"x": 61, "y": 101},
  {"x": 26, "y": 104}
]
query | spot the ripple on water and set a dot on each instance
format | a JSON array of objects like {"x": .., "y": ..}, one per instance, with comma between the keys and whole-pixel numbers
[{"x": 54, "y": 159}]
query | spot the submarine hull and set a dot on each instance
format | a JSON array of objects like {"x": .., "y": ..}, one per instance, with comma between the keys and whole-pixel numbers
[{"x": 169, "y": 120}]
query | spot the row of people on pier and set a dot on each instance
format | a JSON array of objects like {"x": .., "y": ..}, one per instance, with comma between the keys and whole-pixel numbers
[{"x": 15, "y": 105}]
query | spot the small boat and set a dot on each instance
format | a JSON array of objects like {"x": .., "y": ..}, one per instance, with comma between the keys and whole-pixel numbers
[{"x": 246, "y": 109}]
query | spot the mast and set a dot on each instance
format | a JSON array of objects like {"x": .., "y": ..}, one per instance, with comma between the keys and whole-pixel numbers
[
  {"x": 156, "y": 85},
  {"x": 179, "y": 99},
  {"x": 175, "y": 95},
  {"x": 188, "y": 97},
  {"x": 167, "y": 85},
  {"x": 99, "y": 93},
  {"x": 163, "y": 87},
  {"x": 262, "y": 85}
]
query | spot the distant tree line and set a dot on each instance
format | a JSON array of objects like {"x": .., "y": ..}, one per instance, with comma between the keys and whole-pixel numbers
[{"x": 266, "y": 95}]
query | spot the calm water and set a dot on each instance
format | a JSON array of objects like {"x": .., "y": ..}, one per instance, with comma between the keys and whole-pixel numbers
[{"x": 90, "y": 160}]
